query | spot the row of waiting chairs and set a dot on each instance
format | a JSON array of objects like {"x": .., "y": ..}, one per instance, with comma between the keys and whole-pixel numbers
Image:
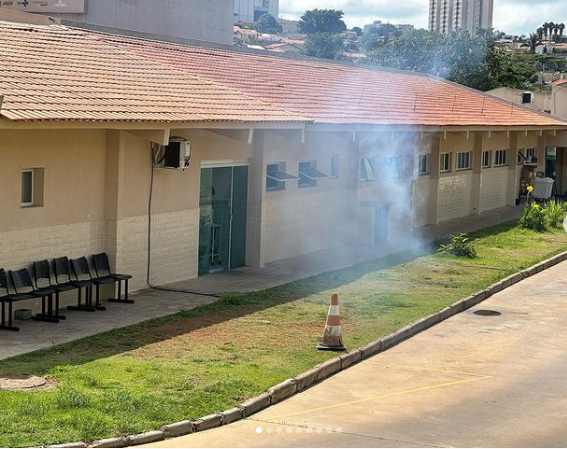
[{"x": 69, "y": 275}]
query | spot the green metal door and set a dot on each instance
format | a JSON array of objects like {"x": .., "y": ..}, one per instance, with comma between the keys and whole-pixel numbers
[{"x": 223, "y": 218}]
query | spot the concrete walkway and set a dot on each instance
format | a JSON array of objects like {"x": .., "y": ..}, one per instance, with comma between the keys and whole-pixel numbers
[
  {"x": 152, "y": 304},
  {"x": 471, "y": 381}
]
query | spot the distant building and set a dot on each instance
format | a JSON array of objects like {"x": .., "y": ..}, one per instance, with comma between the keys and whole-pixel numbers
[
  {"x": 452, "y": 15},
  {"x": 163, "y": 19},
  {"x": 289, "y": 27},
  {"x": 251, "y": 10},
  {"x": 404, "y": 28}
]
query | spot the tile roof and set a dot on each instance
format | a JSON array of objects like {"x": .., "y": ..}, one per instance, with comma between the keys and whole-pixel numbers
[{"x": 58, "y": 73}]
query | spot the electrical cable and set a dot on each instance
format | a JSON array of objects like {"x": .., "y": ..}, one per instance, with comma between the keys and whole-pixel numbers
[{"x": 149, "y": 241}]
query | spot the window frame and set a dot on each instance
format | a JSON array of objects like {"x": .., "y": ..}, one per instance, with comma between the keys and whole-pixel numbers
[
  {"x": 389, "y": 167},
  {"x": 335, "y": 168},
  {"x": 368, "y": 164},
  {"x": 31, "y": 203},
  {"x": 424, "y": 156},
  {"x": 489, "y": 158},
  {"x": 304, "y": 180},
  {"x": 280, "y": 184},
  {"x": 497, "y": 153},
  {"x": 449, "y": 163},
  {"x": 467, "y": 156}
]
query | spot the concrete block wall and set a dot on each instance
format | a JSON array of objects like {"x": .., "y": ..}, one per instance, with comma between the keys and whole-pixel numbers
[
  {"x": 174, "y": 247},
  {"x": 18, "y": 249}
]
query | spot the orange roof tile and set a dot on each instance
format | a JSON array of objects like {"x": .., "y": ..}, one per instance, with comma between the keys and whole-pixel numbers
[{"x": 58, "y": 73}]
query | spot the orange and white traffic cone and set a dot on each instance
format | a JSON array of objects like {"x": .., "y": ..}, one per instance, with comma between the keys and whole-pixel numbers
[{"x": 332, "y": 338}]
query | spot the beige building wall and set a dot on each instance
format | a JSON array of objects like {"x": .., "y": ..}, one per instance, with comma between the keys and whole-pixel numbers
[
  {"x": 301, "y": 220},
  {"x": 97, "y": 190}
]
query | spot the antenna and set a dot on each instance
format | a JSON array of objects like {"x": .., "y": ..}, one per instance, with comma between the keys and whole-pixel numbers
[
  {"x": 454, "y": 104},
  {"x": 415, "y": 102},
  {"x": 483, "y": 103}
]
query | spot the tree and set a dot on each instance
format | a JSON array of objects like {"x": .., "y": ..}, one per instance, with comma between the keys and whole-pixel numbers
[
  {"x": 379, "y": 35},
  {"x": 268, "y": 24},
  {"x": 532, "y": 42},
  {"x": 545, "y": 27},
  {"x": 540, "y": 33},
  {"x": 324, "y": 45},
  {"x": 358, "y": 31},
  {"x": 561, "y": 30},
  {"x": 473, "y": 61},
  {"x": 322, "y": 21}
]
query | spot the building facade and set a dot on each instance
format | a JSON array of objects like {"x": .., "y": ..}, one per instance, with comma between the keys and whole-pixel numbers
[
  {"x": 200, "y": 20},
  {"x": 327, "y": 155},
  {"x": 251, "y": 10},
  {"x": 453, "y": 15}
]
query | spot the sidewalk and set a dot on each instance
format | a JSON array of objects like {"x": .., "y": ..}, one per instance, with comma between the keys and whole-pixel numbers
[{"x": 153, "y": 304}]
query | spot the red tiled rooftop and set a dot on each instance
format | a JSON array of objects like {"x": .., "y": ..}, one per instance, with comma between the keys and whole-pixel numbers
[{"x": 57, "y": 73}]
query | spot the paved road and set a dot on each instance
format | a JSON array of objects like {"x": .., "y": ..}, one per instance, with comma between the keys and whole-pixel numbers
[{"x": 471, "y": 381}]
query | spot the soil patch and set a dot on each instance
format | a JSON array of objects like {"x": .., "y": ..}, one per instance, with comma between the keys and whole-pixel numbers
[{"x": 24, "y": 382}]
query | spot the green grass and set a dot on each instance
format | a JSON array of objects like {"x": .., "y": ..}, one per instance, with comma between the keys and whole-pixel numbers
[{"x": 214, "y": 357}]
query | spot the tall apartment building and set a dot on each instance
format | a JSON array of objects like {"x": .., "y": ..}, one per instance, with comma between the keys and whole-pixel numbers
[
  {"x": 452, "y": 15},
  {"x": 251, "y": 10},
  {"x": 202, "y": 20}
]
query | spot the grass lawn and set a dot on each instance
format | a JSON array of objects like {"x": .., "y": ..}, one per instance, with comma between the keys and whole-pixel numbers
[{"x": 214, "y": 357}]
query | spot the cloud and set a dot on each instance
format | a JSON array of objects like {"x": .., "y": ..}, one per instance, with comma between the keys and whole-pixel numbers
[{"x": 511, "y": 16}]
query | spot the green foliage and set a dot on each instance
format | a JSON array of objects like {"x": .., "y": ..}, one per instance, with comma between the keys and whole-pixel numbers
[
  {"x": 380, "y": 35},
  {"x": 555, "y": 212},
  {"x": 324, "y": 45},
  {"x": 532, "y": 42},
  {"x": 472, "y": 61},
  {"x": 322, "y": 21},
  {"x": 534, "y": 217},
  {"x": 357, "y": 30},
  {"x": 459, "y": 245},
  {"x": 268, "y": 24}
]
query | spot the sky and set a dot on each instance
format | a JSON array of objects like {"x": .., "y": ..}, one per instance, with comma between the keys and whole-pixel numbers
[{"x": 510, "y": 16}]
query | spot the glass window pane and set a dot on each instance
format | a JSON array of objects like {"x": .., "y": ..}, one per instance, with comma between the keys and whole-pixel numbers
[{"x": 27, "y": 188}]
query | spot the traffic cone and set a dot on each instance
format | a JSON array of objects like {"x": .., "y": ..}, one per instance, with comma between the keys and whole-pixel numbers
[{"x": 332, "y": 338}]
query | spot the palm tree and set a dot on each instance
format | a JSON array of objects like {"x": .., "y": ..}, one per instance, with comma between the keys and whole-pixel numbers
[
  {"x": 532, "y": 42},
  {"x": 540, "y": 33},
  {"x": 561, "y": 29},
  {"x": 545, "y": 27},
  {"x": 551, "y": 30}
]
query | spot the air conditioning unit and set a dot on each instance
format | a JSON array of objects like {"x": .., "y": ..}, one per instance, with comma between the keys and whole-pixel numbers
[{"x": 174, "y": 156}]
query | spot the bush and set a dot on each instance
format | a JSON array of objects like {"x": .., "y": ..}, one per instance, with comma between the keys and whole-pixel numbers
[
  {"x": 459, "y": 245},
  {"x": 534, "y": 217},
  {"x": 555, "y": 213}
]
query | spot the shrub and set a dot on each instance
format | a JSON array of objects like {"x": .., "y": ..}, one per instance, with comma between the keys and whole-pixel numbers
[
  {"x": 459, "y": 245},
  {"x": 534, "y": 217},
  {"x": 555, "y": 213}
]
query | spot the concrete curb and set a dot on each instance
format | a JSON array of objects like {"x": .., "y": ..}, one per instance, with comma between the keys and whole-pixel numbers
[{"x": 301, "y": 382}]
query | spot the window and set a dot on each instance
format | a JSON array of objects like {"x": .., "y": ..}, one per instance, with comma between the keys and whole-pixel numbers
[
  {"x": 367, "y": 169},
  {"x": 464, "y": 160},
  {"x": 393, "y": 167},
  {"x": 423, "y": 164},
  {"x": 527, "y": 156},
  {"x": 276, "y": 177},
  {"x": 486, "y": 159},
  {"x": 445, "y": 162},
  {"x": 500, "y": 158},
  {"x": 309, "y": 175},
  {"x": 335, "y": 166},
  {"x": 32, "y": 187},
  {"x": 27, "y": 188}
]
